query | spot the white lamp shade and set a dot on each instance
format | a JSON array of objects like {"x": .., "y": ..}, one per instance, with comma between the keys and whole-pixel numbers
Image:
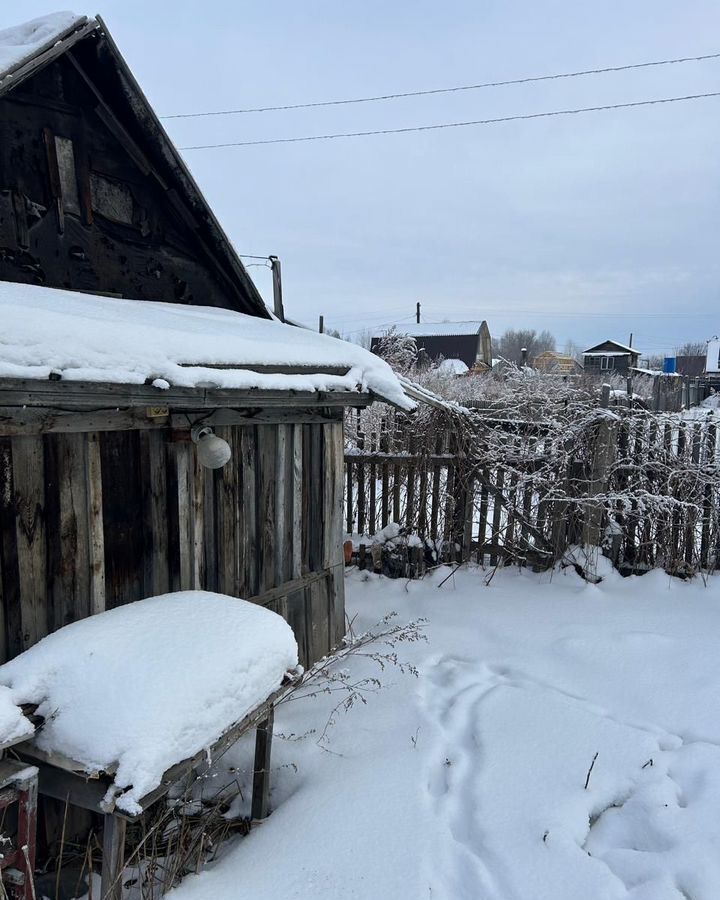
[{"x": 213, "y": 452}]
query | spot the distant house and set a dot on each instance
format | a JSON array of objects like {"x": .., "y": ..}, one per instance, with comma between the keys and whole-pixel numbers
[
  {"x": 549, "y": 362},
  {"x": 610, "y": 356},
  {"x": 469, "y": 342}
]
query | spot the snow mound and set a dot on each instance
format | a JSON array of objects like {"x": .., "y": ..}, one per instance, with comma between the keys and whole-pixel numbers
[
  {"x": 101, "y": 339},
  {"x": 22, "y": 42},
  {"x": 136, "y": 689},
  {"x": 14, "y": 727},
  {"x": 453, "y": 367}
]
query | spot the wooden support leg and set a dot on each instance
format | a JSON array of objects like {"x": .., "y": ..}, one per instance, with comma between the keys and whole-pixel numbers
[
  {"x": 261, "y": 774},
  {"x": 27, "y": 828},
  {"x": 113, "y": 857}
]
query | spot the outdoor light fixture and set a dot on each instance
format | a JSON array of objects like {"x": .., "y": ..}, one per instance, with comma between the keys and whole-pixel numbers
[{"x": 213, "y": 452}]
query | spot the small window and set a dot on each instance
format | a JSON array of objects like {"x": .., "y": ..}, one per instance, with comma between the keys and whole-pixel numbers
[
  {"x": 607, "y": 362},
  {"x": 111, "y": 199}
]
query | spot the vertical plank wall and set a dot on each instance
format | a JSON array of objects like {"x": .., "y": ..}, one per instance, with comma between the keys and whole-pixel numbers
[{"x": 93, "y": 521}]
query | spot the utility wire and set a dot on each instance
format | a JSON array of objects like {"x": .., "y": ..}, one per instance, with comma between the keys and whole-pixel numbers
[
  {"x": 540, "y": 115},
  {"x": 450, "y": 90}
]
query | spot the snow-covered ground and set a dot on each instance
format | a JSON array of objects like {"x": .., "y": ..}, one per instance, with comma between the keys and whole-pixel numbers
[{"x": 476, "y": 779}]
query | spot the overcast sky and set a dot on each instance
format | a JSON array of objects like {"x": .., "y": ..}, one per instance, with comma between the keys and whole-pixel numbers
[{"x": 593, "y": 226}]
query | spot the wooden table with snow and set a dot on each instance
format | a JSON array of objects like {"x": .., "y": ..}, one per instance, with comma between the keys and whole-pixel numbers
[{"x": 132, "y": 699}]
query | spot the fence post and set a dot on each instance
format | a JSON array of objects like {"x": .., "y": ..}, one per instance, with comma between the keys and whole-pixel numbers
[{"x": 602, "y": 459}]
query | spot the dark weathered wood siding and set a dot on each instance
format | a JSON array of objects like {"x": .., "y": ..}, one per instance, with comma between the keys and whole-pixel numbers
[
  {"x": 81, "y": 207},
  {"x": 90, "y": 521}
]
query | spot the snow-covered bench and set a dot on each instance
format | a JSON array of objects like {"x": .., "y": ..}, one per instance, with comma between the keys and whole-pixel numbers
[{"x": 133, "y": 699}]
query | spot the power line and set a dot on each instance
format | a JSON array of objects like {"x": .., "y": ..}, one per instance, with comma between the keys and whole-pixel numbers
[
  {"x": 507, "y": 310},
  {"x": 495, "y": 121},
  {"x": 450, "y": 90}
]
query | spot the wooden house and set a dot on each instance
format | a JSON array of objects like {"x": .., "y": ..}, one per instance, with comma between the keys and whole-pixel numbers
[
  {"x": 469, "y": 342},
  {"x": 103, "y": 500},
  {"x": 550, "y": 362},
  {"x": 160, "y": 429},
  {"x": 609, "y": 357}
]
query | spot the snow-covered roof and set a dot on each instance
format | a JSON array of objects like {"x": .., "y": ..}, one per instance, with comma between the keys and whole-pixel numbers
[
  {"x": 433, "y": 329},
  {"x": 621, "y": 347},
  {"x": 142, "y": 687},
  {"x": 23, "y": 42},
  {"x": 100, "y": 339}
]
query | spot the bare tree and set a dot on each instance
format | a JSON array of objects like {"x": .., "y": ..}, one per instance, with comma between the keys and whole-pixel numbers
[
  {"x": 512, "y": 342},
  {"x": 692, "y": 348},
  {"x": 363, "y": 338},
  {"x": 573, "y": 349}
]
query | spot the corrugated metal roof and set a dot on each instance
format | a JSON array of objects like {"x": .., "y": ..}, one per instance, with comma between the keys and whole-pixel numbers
[{"x": 433, "y": 329}]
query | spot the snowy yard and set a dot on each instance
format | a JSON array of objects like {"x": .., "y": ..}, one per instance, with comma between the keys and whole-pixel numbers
[{"x": 474, "y": 779}]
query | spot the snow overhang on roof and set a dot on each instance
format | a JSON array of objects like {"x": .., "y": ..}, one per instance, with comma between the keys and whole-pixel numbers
[
  {"x": 611, "y": 353},
  {"x": 86, "y": 338},
  {"x": 32, "y": 41}
]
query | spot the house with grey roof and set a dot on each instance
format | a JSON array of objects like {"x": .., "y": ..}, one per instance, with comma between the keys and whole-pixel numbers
[{"x": 469, "y": 342}]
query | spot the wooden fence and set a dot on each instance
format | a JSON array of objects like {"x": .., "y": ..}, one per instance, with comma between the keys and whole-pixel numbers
[{"x": 645, "y": 487}]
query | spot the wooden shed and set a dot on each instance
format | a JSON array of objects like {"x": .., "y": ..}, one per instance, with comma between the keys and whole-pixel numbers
[
  {"x": 466, "y": 341},
  {"x": 102, "y": 498}
]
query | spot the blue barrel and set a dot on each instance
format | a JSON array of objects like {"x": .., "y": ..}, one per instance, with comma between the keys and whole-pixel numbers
[{"x": 670, "y": 365}]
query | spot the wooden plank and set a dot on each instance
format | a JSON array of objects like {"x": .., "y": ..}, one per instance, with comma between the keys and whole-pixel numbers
[
  {"x": 248, "y": 562},
  {"x": 210, "y": 548},
  {"x": 385, "y": 496},
  {"x": 113, "y": 861},
  {"x": 155, "y": 512},
  {"x": 483, "y": 516},
  {"x": 260, "y": 805},
  {"x": 29, "y": 500},
  {"x": 185, "y": 469},
  {"x": 497, "y": 514},
  {"x": 8, "y": 558},
  {"x": 296, "y": 615},
  {"x": 334, "y": 559},
  {"x": 227, "y": 510},
  {"x": 397, "y": 488},
  {"x": 96, "y": 528},
  {"x": 435, "y": 502},
  {"x": 468, "y": 516},
  {"x": 282, "y": 545},
  {"x": 349, "y": 502},
  {"x": 22, "y": 420},
  {"x": 68, "y": 529},
  {"x": 267, "y": 509},
  {"x": 26, "y": 420},
  {"x": 297, "y": 499},
  {"x": 120, "y": 498},
  {"x": 319, "y": 628},
  {"x": 197, "y": 525},
  {"x": 87, "y": 395}
]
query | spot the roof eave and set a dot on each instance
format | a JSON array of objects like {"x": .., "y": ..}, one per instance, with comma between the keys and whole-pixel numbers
[
  {"x": 83, "y": 395},
  {"x": 55, "y": 47}
]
